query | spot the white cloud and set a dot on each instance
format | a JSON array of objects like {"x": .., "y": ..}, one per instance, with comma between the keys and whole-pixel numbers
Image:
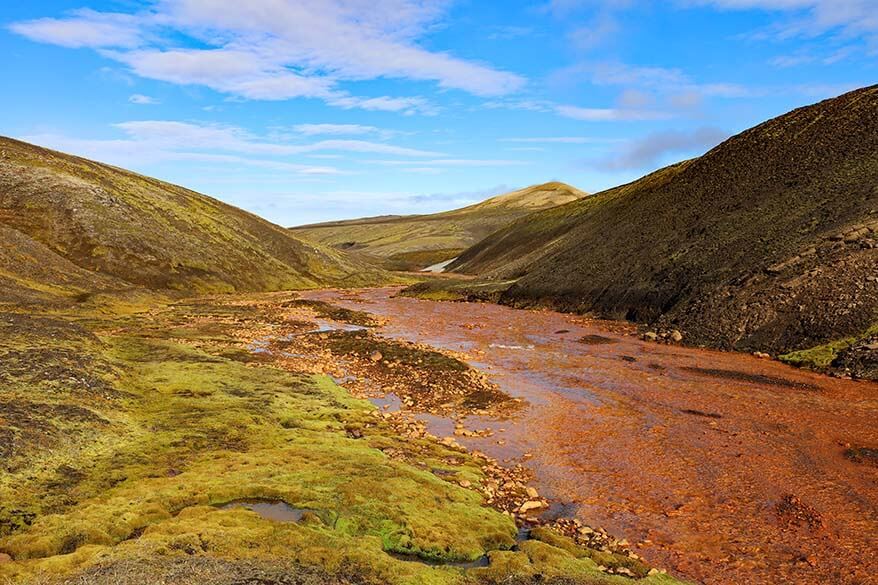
[
  {"x": 608, "y": 114},
  {"x": 452, "y": 162},
  {"x": 172, "y": 134},
  {"x": 133, "y": 153},
  {"x": 852, "y": 18},
  {"x": 559, "y": 140},
  {"x": 413, "y": 105},
  {"x": 83, "y": 28},
  {"x": 639, "y": 78},
  {"x": 149, "y": 142},
  {"x": 143, "y": 100},
  {"x": 336, "y": 129},
  {"x": 274, "y": 50},
  {"x": 329, "y": 129}
]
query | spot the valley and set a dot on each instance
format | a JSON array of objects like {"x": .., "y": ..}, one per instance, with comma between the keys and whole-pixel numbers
[
  {"x": 670, "y": 381},
  {"x": 724, "y": 467}
]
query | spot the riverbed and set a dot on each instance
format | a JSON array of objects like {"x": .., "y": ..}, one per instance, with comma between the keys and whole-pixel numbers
[{"x": 721, "y": 466}]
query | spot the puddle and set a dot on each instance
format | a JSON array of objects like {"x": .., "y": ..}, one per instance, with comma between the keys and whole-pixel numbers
[
  {"x": 390, "y": 402},
  {"x": 330, "y": 326},
  {"x": 504, "y": 346},
  {"x": 274, "y": 510},
  {"x": 259, "y": 346}
]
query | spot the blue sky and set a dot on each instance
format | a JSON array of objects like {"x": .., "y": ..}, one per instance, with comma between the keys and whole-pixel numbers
[{"x": 308, "y": 110}]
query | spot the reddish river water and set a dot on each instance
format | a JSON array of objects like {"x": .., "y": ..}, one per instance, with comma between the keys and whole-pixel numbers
[{"x": 722, "y": 467}]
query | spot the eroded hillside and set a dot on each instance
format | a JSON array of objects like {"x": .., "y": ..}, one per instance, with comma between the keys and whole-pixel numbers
[
  {"x": 121, "y": 229},
  {"x": 768, "y": 242}
]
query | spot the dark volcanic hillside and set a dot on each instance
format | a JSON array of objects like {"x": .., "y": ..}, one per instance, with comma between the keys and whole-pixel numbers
[
  {"x": 766, "y": 242},
  {"x": 65, "y": 220}
]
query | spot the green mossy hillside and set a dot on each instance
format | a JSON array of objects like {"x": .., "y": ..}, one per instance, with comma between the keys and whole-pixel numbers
[
  {"x": 417, "y": 241},
  {"x": 61, "y": 213}
]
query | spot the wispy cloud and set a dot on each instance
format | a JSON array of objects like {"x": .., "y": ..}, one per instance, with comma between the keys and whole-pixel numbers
[
  {"x": 340, "y": 130},
  {"x": 463, "y": 196},
  {"x": 650, "y": 150},
  {"x": 84, "y": 28},
  {"x": 452, "y": 162},
  {"x": 662, "y": 79},
  {"x": 807, "y": 18},
  {"x": 269, "y": 50},
  {"x": 215, "y": 137},
  {"x": 132, "y": 153},
  {"x": 608, "y": 114},
  {"x": 560, "y": 140},
  {"x": 147, "y": 142},
  {"x": 143, "y": 100}
]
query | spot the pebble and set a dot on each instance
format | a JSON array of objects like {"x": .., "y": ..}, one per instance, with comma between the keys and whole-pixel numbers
[
  {"x": 5, "y": 558},
  {"x": 530, "y": 505}
]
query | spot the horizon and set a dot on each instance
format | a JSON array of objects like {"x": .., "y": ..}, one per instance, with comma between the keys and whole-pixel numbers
[{"x": 427, "y": 105}]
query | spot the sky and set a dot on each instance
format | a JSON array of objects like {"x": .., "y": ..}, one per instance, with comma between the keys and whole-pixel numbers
[{"x": 311, "y": 110}]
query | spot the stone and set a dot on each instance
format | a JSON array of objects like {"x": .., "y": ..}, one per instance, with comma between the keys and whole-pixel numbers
[
  {"x": 376, "y": 356},
  {"x": 676, "y": 336},
  {"x": 465, "y": 483},
  {"x": 650, "y": 336},
  {"x": 532, "y": 493},
  {"x": 530, "y": 505},
  {"x": 5, "y": 558}
]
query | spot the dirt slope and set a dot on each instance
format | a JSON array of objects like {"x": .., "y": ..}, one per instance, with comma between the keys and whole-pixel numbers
[
  {"x": 415, "y": 241},
  {"x": 145, "y": 232},
  {"x": 766, "y": 242}
]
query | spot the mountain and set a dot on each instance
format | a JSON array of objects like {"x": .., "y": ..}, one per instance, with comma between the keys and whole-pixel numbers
[
  {"x": 415, "y": 241},
  {"x": 69, "y": 225},
  {"x": 767, "y": 242}
]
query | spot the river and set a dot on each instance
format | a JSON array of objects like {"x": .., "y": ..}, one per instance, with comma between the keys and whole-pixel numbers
[{"x": 722, "y": 467}]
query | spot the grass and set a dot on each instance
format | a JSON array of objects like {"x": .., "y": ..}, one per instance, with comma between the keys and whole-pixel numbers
[
  {"x": 130, "y": 429},
  {"x": 417, "y": 241},
  {"x": 446, "y": 289},
  {"x": 76, "y": 224},
  {"x": 821, "y": 357}
]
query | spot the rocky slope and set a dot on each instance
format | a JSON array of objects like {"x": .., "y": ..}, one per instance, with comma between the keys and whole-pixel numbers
[
  {"x": 768, "y": 242},
  {"x": 69, "y": 225},
  {"x": 413, "y": 242}
]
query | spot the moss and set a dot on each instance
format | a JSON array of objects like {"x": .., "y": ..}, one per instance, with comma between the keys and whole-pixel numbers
[
  {"x": 443, "y": 289},
  {"x": 414, "y": 242},
  {"x": 363, "y": 343},
  {"x": 83, "y": 227},
  {"x": 822, "y": 356},
  {"x": 328, "y": 311}
]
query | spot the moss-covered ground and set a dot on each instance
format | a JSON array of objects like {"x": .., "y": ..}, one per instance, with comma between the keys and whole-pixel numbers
[{"x": 124, "y": 428}]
